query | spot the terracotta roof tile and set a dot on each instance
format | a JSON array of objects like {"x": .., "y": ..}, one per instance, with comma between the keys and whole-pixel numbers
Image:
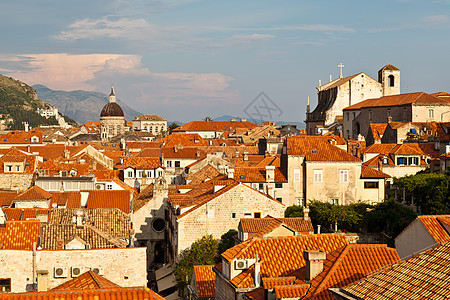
[
  {"x": 34, "y": 193},
  {"x": 130, "y": 293},
  {"x": 67, "y": 199},
  {"x": 148, "y": 118},
  {"x": 205, "y": 281},
  {"x": 182, "y": 153},
  {"x": 317, "y": 149},
  {"x": 21, "y": 137},
  {"x": 255, "y": 225},
  {"x": 434, "y": 227},
  {"x": 208, "y": 172},
  {"x": 424, "y": 276},
  {"x": 141, "y": 162},
  {"x": 401, "y": 99},
  {"x": 183, "y": 139},
  {"x": 143, "y": 197},
  {"x": 368, "y": 172},
  {"x": 19, "y": 235},
  {"x": 16, "y": 155},
  {"x": 86, "y": 281},
  {"x": 276, "y": 253},
  {"x": 378, "y": 130},
  {"x": 214, "y": 126},
  {"x": 110, "y": 199},
  {"x": 254, "y": 174},
  {"x": 291, "y": 291}
]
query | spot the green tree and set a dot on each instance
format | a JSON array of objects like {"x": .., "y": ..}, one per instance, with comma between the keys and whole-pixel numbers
[
  {"x": 201, "y": 252},
  {"x": 227, "y": 240},
  {"x": 172, "y": 126},
  {"x": 294, "y": 211}
]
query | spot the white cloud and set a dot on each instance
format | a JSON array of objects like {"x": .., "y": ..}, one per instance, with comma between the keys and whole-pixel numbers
[{"x": 435, "y": 20}]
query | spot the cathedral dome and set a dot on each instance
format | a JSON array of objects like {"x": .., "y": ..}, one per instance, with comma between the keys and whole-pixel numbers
[{"x": 111, "y": 109}]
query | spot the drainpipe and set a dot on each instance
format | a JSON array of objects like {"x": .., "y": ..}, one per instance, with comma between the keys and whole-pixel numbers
[{"x": 34, "y": 264}]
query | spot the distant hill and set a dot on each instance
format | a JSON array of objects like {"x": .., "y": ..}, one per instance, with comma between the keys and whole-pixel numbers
[
  {"x": 257, "y": 121},
  {"x": 82, "y": 106},
  {"x": 20, "y": 102}
]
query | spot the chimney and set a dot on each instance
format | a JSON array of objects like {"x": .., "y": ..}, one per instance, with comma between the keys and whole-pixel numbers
[
  {"x": 314, "y": 262},
  {"x": 2, "y": 217},
  {"x": 79, "y": 218},
  {"x": 59, "y": 244},
  {"x": 94, "y": 164},
  {"x": 257, "y": 272},
  {"x": 231, "y": 173},
  {"x": 331, "y": 78},
  {"x": 389, "y": 119},
  {"x": 66, "y": 154},
  {"x": 318, "y": 229},
  {"x": 245, "y": 156},
  {"x": 42, "y": 280},
  {"x": 26, "y": 126},
  {"x": 270, "y": 173},
  {"x": 380, "y": 164},
  {"x": 306, "y": 213},
  {"x": 175, "y": 149},
  {"x": 243, "y": 120},
  {"x": 447, "y": 149}
]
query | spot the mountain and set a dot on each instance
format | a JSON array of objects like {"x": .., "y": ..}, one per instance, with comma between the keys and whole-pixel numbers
[
  {"x": 82, "y": 106},
  {"x": 19, "y": 102},
  {"x": 257, "y": 121}
]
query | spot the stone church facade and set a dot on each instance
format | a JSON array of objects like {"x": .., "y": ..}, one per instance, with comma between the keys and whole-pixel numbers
[{"x": 342, "y": 92}]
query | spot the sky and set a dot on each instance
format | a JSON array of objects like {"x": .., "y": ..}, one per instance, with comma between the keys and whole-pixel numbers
[{"x": 186, "y": 60}]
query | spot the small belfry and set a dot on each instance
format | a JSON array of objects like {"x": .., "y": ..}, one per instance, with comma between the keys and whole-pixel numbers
[{"x": 112, "y": 119}]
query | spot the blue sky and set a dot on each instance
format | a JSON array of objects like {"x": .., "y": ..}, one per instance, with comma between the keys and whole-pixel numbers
[{"x": 190, "y": 59}]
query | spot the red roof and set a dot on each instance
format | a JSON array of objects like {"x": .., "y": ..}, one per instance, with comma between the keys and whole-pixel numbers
[
  {"x": 110, "y": 199},
  {"x": 205, "y": 279},
  {"x": 86, "y": 281},
  {"x": 402, "y": 99},
  {"x": 21, "y": 137},
  {"x": 19, "y": 235},
  {"x": 368, "y": 172},
  {"x": 316, "y": 149},
  {"x": 214, "y": 126},
  {"x": 34, "y": 193}
]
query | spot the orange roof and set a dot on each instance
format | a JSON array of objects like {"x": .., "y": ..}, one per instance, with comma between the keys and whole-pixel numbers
[
  {"x": 402, "y": 99},
  {"x": 276, "y": 253},
  {"x": 186, "y": 153},
  {"x": 433, "y": 224},
  {"x": 86, "y": 281},
  {"x": 202, "y": 175},
  {"x": 142, "y": 162},
  {"x": 184, "y": 139},
  {"x": 34, "y": 193},
  {"x": 67, "y": 199},
  {"x": 255, "y": 225},
  {"x": 214, "y": 126},
  {"x": 316, "y": 149},
  {"x": 257, "y": 174},
  {"x": 16, "y": 155},
  {"x": 424, "y": 276},
  {"x": 22, "y": 214},
  {"x": 19, "y": 235},
  {"x": 379, "y": 148},
  {"x": 205, "y": 279},
  {"x": 6, "y": 197},
  {"x": 368, "y": 172},
  {"x": 21, "y": 137},
  {"x": 348, "y": 265},
  {"x": 101, "y": 294},
  {"x": 110, "y": 199},
  {"x": 338, "y": 82},
  {"x": 106, "y": 175},
  {"x": 378, "y": 130},
  {"x": 291, "y": 291}
]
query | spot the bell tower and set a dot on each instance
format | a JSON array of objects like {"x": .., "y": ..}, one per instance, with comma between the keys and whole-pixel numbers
[{"x": 389, "y": 77}]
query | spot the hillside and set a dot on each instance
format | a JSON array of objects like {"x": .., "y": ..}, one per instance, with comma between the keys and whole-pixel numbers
[
  {"x": 19, "y": 102},
  {"x": 82, "y": 106}
]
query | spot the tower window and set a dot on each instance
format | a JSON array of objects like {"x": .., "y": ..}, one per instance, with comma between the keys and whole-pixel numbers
[{"x": 391, "y": 80}]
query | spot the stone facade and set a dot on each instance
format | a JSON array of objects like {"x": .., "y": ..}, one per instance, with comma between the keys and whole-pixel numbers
[
  {"x": 125, "y": 267},
  {"x": 15, "y": 181},
  {"x": 221, "y": 214}
]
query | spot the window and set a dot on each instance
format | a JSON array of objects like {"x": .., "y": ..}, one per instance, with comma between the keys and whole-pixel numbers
[
  {"x": 130, "y": 174},
  {"x": 150, "y": 129},
  {"x": 9, "y": 168},
  {"x": 348, "y": 116},
  {"x": 233, "y": 215},
  {"x": 413, "y": 161},
  {"x": 280, "y": 200},
  {"x": 296, "y": 175},
  {"x": 247, "y": 215},
  {"x": 370, "y": 115},
  {"x": 169, "y": 163},
  {"x": 317, "y": 176},
  {"x": 401, "y": 161},
  {"x": 404, "y": 114},
  {"x": 431, "y": 113},
  {"x": 257, "y": 215},
  {"x": 391, "y": 80},
  {"x": 109, "y": 186},
  {"x": 388, "y": 113},
  {"x": 278, "y": 185},
  {"x": 335, "y": 201},
  {"x": 343, "y": 176},
  {"x": 160, "y": 173},
  {"x": 301, "y": 202},
  {"x": 5, "y": 285},
  {"x": 177, "y": 164},
  {"x": 260, "y": 186},
  {"x": 110, "y": 129},
  {"x": 17, "y": 168},
  {"x": 370, "y": 184}
]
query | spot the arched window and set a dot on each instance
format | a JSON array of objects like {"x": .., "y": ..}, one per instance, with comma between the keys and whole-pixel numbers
[{"x": 391, "y": 80}]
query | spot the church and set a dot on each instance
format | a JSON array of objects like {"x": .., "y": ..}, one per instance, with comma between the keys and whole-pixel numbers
[
  {"x": 112, "y": 119},
  {"x": 342, "y": 92}
]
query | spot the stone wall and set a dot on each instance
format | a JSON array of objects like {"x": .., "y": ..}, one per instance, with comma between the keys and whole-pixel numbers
[
  {"x": 15, "y": 181},
  {"x": 216, "y": 217},
  {"x": 125, "y": 267}
]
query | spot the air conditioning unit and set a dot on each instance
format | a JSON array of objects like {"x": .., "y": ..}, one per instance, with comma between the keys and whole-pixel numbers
[
  {"x": 76, "y": 271},
  {"x": 61, "y": 272},
  {"x": 241, "y": 264},
  {"x": 97, "y": 270},
  {"x": 99, "y": 186}
]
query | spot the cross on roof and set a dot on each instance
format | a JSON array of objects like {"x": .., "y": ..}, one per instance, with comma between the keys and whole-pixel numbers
[{"x": 341, "y": 66}]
